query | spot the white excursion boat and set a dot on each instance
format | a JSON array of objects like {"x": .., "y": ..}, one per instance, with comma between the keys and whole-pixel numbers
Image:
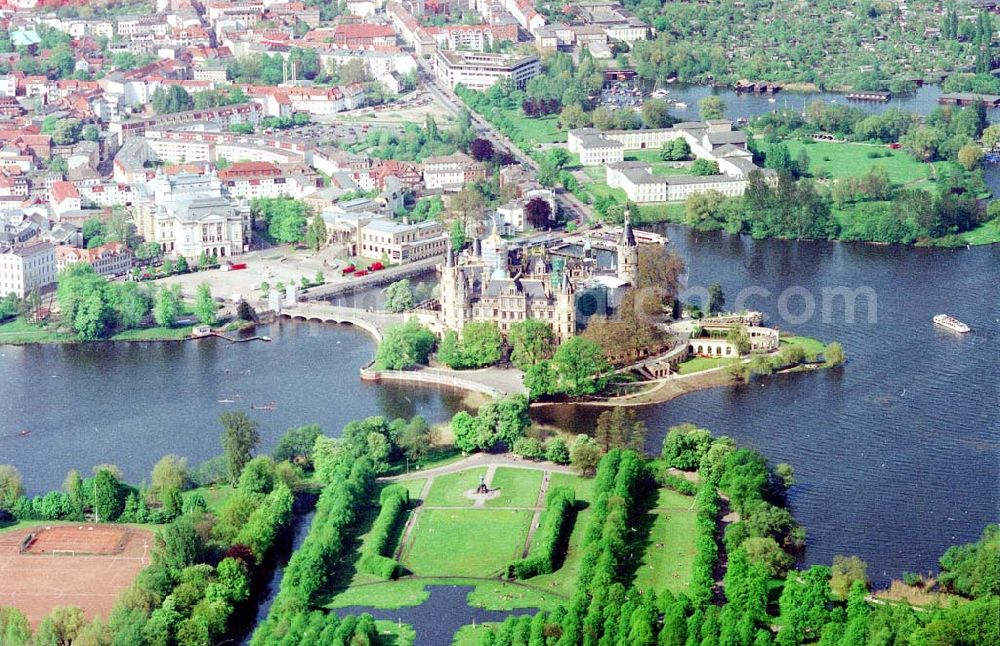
[{"x": 951, "y": 323}]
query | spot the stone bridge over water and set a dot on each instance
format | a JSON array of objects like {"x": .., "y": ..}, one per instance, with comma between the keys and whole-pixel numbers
[{"x": 372, "y": 322}]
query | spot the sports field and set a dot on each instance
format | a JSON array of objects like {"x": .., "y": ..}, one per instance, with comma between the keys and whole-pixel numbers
[{"x": 84, "y": 565}]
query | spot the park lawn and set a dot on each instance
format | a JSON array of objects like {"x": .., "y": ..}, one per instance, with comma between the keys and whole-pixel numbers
[
  {"x": 465, "y": 542},
  {"x": 988, "y": 233},
  {"x": 438, "y": 456},
  {"x": 851, "y": 160},
  {"x": 391, "y": 633},
  {"x": 700, "y": 364},
  {"x": 410, "y": 591},
  {"x": 669, "y": 567},
  {"x": 216, "y": 496},
  {"x": 563, "y": 580},
  {"x": 17, "y": 332},
  {"x": 584, "y": 487},
  {"x": 666, "y": 169},
  {"x": 471, "y": 634},
  {"x": 810, "y": 345},
  {"x": 674, "y": 500},
  {"x": 599, "y": 188},
  {"x": 413, "y": 487},
  {"x": 651, "y": 155},
  {"x": 378, "y": 593},
  {"x": 543, "y": 130},
  {"x": 449, "y": 490},
  {"x": 518, "y": 487}
]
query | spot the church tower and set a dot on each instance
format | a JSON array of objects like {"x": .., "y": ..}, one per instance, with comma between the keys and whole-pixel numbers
[{"x": 628, "y": 253}]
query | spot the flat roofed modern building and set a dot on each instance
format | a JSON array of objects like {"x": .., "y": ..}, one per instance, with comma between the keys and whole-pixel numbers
[{"x": 478, "y": 71}]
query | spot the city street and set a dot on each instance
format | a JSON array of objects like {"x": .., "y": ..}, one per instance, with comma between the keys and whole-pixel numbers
[{"x": 568, "y": 202}]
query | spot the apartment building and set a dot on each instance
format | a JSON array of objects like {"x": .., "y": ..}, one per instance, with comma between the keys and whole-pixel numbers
[
  {"x": 451, "y": 172},
  {"x": 27, "y": 268},
  {"x": 111, "y": 259},
  {"x": 401, "y": 242}
]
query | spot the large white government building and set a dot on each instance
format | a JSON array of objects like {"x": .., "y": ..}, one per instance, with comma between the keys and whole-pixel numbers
[{"x": 713, "y": 140}]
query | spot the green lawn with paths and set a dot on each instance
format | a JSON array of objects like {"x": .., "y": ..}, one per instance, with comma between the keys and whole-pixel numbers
[
  {"x": 518, "y": 487},
  {"x": 465, "y": 542},
  {"x": 449, "y": 490}
]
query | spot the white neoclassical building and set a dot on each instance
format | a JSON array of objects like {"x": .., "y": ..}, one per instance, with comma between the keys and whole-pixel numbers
[{"x": 188, "y": 215}]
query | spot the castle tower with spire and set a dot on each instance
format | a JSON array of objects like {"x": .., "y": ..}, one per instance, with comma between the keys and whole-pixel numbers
[
  {"x": 628, "y": 253},
  {"x": 456, "y": 310}
]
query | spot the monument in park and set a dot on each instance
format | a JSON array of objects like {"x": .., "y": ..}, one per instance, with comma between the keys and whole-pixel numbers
[{"x": 482, "y": 488}]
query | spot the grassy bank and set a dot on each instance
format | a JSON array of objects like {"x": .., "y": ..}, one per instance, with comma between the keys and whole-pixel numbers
[
  {"x": 17, "y": 332},
  {"x": 838, "y": 160}
]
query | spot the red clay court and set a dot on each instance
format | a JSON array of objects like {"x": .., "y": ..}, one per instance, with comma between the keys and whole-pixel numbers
[{"x": 84, "y": 565}]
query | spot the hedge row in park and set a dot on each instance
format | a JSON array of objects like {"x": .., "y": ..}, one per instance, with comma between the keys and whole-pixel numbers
[
  {"x": 374, "y": 558},
  {"x": 549, "y": 547},
  {"x": 348, "y": 483},
  {"x": 707, "y": 505}
]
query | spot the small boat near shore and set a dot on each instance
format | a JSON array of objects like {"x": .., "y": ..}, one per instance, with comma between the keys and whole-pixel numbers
[{"x": 950, "y": 323}]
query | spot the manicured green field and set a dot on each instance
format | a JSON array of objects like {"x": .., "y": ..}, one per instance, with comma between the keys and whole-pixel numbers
[
  {"x": 465, "y": 542},
  {"x": 699, "y": 364},
  {"x": 518, "y": 487},
  {"x": 810, "y": 345},
  {"x": 543, "y": 130},
  {"x": 851, "y": 160},
  {"x": 408, "y": 592},
  {"x": 666, "y": 169},
  {"x": 378, "y": 593},
  {"x": 471, "y": 634},
  {"x": 670, "y": 499},
  {"x": 669, "y": 565},
  {"x": 391, "y": 633},
  {"x": 651, "y": 155},
  {"x": 449, "y": 490},
  {"x": 988, "y": 233},
  {"x": 582, "y": 486},
  {"x": 600, "y": 188},
  {"x": 414, "y": 487}
]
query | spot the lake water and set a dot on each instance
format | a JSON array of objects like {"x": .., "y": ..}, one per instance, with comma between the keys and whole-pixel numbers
[
  {"x": 747, "y": 104},
  {"x": 130, "y": 404},
  {"x": 897, "y": 455}
]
